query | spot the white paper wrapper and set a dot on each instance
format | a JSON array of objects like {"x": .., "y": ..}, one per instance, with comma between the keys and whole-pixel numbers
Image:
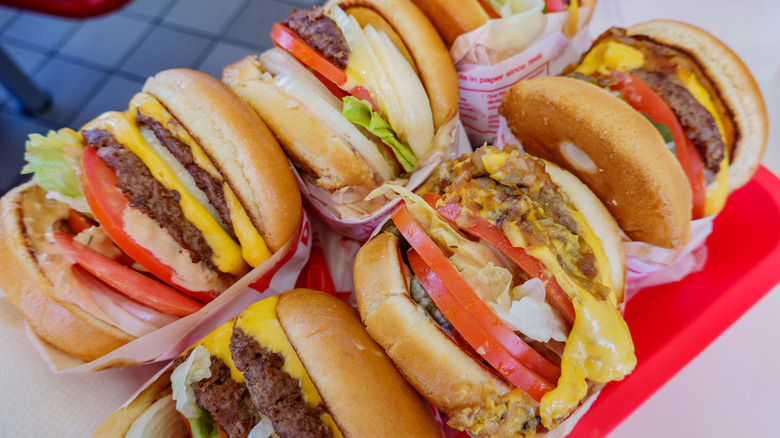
[
  {"x": 359, "y": 228},
  {"x": 275, "y": 275},
  {"x": 485, "y": 73},
  {"x": 649, "y": 265}
]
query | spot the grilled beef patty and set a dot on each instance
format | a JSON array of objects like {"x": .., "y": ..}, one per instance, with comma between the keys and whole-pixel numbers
[
  {"x": 275, "y": 393},
  {"x": 320, "y": 32},
  {"x": 227, "y": 401},
  {"x": 147, "y": 194},
  {"x": 211, "y": 186}
]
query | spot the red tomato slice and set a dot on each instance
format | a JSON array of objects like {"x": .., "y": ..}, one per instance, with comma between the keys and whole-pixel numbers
[
  {"x": 470, "y": 301},
  {"x": 362, "y": 94},
  {"x": 478, "y": 226},
  {"x": 78, "y": 222},
  {"x": 145, "y": 290},
  {"x": 644, "y": 99},
  {"x": 487, "y": 347},
  {"x": 696, "y": 174},
  {"x": 288, "y": 40},
  {"x": 108, "y": 204},
  {"x": 554, "y": 5}
]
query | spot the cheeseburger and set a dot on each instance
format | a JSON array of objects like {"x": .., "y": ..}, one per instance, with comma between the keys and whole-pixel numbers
[
  {"x": 497, "y": 293},
  {"x": 145, "y": 214},
  {"x": 358, "y": 93},
  {"x": 295, "y": 365},
  {"x": 700, "y": 97}
]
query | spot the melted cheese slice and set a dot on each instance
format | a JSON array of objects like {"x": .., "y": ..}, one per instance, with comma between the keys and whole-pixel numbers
[
  {"x": 218, "y": 344},
  {"x": 227, "y": 253},
  {"x": 259, "y": 320},
  {"x": 599, "y": 347},
  {"x": 610, "y": 55},
  {"x": 718, "y": 190},
  {"x": 253, "y": 247}
]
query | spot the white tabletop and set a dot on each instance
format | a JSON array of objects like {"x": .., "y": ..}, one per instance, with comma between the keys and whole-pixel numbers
[{"x": 730, "y": 389}]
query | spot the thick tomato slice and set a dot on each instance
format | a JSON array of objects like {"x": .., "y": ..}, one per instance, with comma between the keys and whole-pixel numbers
[
  {"x": 470, "y": 301},
  {"x": 145, "y": 290},
  {"x": 644, "y": 99},
  {"x": 108, "y": 204},
  {"x": 288, "y": 40},
  {"x": 78, "y": 222},
  {"x": 478, "y": 226},
  {"x": 487, "y": 347}
]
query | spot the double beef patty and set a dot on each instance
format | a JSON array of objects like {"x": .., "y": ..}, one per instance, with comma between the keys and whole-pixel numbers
[
  {"x": 275, "y": 393},
  {"x": 227, "y": 401},
  {"x": 147, "y": 194}
]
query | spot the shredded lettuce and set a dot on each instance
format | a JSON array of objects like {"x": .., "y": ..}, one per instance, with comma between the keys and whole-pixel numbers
[
  {"x": 54, "y": 161},
  {"x": 195, "y": 368},
  {"x": 525, "y": 310},
  {"x": 360, "y": 112}
]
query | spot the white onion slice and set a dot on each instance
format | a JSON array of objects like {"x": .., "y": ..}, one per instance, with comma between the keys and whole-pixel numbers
[
  {"x": 416, "y": 127},
  {"x": 159, "y": 420},
  {"x": 277, "y": 61},
  {"x": 126, "y": 314},
  {"x": 332, "y": 117}
]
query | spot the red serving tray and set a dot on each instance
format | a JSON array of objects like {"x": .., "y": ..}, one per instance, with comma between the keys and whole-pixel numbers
[{"x": 741, "y": 268}]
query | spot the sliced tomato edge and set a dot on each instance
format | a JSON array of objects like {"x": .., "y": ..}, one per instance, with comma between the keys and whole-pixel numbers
[
  {"x": 527, "y": 263},
  {"x": 167, "y": 299},
  {"x": 489, "y": 349},
  {"x": 468, "y": 299}
]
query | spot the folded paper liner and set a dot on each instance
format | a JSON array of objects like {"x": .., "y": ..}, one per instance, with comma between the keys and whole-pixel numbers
[
  {"x": 487, "y": 67},
  {"x": 451, "y": 142}
]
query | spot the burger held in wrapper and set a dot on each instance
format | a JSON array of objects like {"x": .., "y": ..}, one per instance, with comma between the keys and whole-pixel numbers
[
  {"x": 136, "y": 222},
  {"x": 497, "y": 291},
  {"x": 696, "y": 133},
  {"x": 294, "y": 365},
  {"x": 358, "y": 93},
  {"x": 495, "y": 43}
]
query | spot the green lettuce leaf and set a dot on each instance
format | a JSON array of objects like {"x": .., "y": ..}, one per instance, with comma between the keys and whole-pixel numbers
[
  {"x": 54, "y": 161},
  {"x": 665, "y": 132},
  {"x": 360, "y": 112},
  {"x": 203, "y": 426}
]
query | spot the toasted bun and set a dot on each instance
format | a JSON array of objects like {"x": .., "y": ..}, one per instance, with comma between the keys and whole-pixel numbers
[
  {"x": 27, "y": 286},
  {"x": 309, "y": 143},
  {"x": 240, "y": 146},
  {"x": 470, "y": 394},
  {"x": 426, "y": 48},
  {"x": 600, "y": 221},
  {"x": 734, "y": 84},
  {"x": 613, "y": 149},
  {"x": 364, "y": 393},
  {"x": 453, "y": 18}
]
